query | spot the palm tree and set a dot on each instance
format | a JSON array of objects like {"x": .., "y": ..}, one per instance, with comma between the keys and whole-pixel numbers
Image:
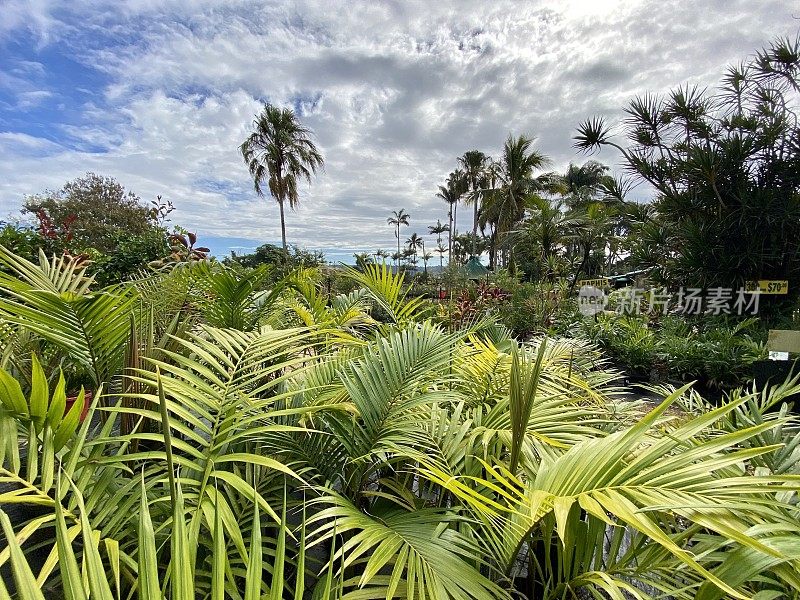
[
  {"x": 582, "y": 183},
  {"x": 457, "y": 181},
  {"x": 426, "y": 256},
  {"x": 398, "y": 218},
  {"x": 438, "y": 229},
  {"x": 593, "y": 232},
  {"x": 415, "y": 242},
  {"x": 278, "y": 152},
  {"x": 449, "y": 194},
  {"x": 362, "y": 259},
  {"x": 514, "y": 183},
  {"x": 381, "y": 254},
  {"x": 474, "y": 164},
  {"x": 440, "y": 250}
]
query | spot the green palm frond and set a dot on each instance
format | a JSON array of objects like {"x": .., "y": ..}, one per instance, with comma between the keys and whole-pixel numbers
[
  {"x": 678, "y": 476},
  {"x": 403, "y": 554},
  {"x": 387, "y": 289},
  {"x": 53, "y": 300}
]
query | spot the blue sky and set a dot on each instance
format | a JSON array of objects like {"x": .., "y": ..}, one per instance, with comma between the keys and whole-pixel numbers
[{"x": 159, "y": 93}]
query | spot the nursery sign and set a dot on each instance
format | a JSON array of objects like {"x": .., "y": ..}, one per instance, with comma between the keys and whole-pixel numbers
[
  {"x": 768, "y": 286},
  {"x": 600, "y": 282},
  {"x": 591, "y": 300}
]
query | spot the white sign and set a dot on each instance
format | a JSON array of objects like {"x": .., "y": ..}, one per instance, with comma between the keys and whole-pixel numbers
[{"x": 591, "y": 300}]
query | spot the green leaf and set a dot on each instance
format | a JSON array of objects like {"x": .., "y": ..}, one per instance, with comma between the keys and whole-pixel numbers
[
  {"x": 11, "y": 395},
  {"x": 68, "y": 564},
  {"x": 148, "y": 559},
  {"x": 66, "y": 429},
  {"x": 27, "y": 589},
  {"x": 40, "y": 393},
  {"x": 58, "y": 403}
]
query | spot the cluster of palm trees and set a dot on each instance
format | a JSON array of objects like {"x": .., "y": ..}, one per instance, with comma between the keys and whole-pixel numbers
[
  {"x": 515, "y": 206},
  {"x": 553, "y": 223},
  {"x": 499, "y": 191},
  {"x": 414, "y": 248}
]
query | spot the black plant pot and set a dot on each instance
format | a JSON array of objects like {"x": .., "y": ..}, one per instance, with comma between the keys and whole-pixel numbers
[{"x": 774, "y": 372}]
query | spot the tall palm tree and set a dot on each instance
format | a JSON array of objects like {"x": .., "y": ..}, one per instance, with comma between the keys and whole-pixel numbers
[
  {"x": 440, "y": 250},
  {"x": 438, "y": 230},
  {"x": 398, "y": 218},
  {"x": 278, "y": 152},
  {"x": 457, "y": 181},
  {"x": 514, "y": 183},
  {"x": 474, "y": 164},
  {"x": 426, "y": 256},
  {"x": 450, "y": 194},
  {"x": 415, "y": 242}
]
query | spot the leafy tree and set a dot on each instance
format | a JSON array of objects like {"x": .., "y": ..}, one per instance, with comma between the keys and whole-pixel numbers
[
  {"x": 726, "y": 169},
  {"x": 92, "y": 211},
  {"x": 21, "y": 240},
  {"x": 283, "y": 261},
  {"x": 278, "y": 152},
  {"x": 130, "y": 256}
]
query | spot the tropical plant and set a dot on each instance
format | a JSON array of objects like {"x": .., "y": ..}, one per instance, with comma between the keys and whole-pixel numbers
[
  {"x": 474, "y": 164},
  {"x": 278, "y": 152},
  {"x": 514, "y": 183},
  {"x": 724, "y": 165},
  {"x": 85, "y": 330}
]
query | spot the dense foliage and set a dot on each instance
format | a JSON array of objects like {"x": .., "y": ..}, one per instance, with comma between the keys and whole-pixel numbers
[
  {"x": 726, "y": 167},
  {"x": 96, "y": 217},
  {"x": 280, "y": 443}
]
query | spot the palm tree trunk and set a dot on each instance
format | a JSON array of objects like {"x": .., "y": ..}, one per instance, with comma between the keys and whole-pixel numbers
[
  {"x": 283, "y": 228},
  {"x": 397, "y": 262},
  {"x": 450, "y": 236},
  {"x": 475, "y": 224},
  {"x": 493, "y": 249},
  {"x": 455, "y": 214}
]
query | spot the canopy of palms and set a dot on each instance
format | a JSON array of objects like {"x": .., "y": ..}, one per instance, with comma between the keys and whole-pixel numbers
[
  {"x": 474, "y": 164},
  {"x": 278, "y": 152},
  {"x": 514, "y": 183}
]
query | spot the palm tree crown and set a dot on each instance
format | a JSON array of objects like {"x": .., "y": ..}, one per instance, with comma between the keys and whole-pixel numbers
[
  {"x": 278, "y": 152},
  {"x": 474, "y": 164},
  {"x": 514, "y": 182}
]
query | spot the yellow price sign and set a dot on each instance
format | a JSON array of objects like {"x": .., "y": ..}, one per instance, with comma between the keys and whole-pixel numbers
[
  {"x": 599, "y": 282},
  {"x": 768, "y": 286}
]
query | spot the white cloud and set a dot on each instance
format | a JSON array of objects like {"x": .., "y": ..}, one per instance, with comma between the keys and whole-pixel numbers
[{"x": 394, "y": 91}]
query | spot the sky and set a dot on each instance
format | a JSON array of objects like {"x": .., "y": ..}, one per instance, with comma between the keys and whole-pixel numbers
[{"x": 160, "y": 93}]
